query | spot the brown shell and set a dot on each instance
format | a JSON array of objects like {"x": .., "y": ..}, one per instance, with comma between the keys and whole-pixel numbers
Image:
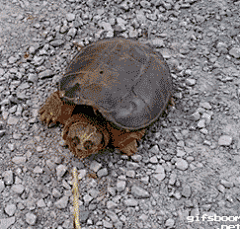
[{"x": 127, "y": 81}]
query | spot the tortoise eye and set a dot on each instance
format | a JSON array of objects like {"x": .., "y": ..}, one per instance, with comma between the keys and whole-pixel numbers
[
  {"x": 75, "y": 140},
  {"x": 88, "y": 144}
]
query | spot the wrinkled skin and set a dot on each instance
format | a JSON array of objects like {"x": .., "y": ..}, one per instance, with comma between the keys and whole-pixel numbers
[{"x": 85, "y": 135}]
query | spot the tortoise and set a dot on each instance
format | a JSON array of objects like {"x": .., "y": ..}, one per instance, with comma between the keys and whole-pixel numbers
[{"x": 111, "y": 91}]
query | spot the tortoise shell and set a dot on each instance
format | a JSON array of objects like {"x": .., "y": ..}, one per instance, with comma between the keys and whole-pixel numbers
[{"x": 126, "y": 81}]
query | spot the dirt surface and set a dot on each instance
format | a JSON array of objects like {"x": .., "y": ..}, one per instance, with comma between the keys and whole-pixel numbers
[{"x": 186, "y": 173}]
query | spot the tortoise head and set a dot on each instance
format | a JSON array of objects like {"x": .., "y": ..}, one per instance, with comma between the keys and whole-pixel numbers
[{"x": 83, "y": 136}]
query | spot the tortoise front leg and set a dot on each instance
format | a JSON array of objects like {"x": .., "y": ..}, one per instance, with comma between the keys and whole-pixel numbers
[
  {"x": 55, "y": 110},
  {"x": 125, "y": 141}
]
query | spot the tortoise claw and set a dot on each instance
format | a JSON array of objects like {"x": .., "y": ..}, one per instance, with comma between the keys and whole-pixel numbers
[
  {"x": 51, "y": 109},
  {"x": 130, "y": 149},
  {"x": 125, "y": 141},
  {"x": 55, "y": 110}
]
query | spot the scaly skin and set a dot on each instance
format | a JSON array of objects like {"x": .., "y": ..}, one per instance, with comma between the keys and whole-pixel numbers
[
  {"x": 125, "y": 141},
  {"x": 55, "y": 110},
  {"x": 84, "y": 135}
]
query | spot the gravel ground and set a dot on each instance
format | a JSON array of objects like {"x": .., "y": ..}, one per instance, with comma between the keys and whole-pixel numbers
[{"x": 187, "y": 165}]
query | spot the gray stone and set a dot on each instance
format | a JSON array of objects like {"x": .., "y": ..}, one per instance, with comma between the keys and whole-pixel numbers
[
  {"x": 173, "y": 178},
  {"x": 188, "y": 72},
  {"x": 84, "y": 215},
  {"x": 130, "y": 202},
  {"x": 221, "y": 188},
  {"x": 64, "y": 29},
  {"x": 11, "y": 146},
  {"x": 41, "y": 204},
  {"x": 62, "y": 203},
  {"x": 199, "y": 18},
  {"x": 57, "y": 43},
  {"x": 222, "y": 47},
  {"x": 2, "y": 132},
  {"x": 225, "y": 140},
  {"x": 13, "y": 109},
  {"x": 154, "y": 150},
  {"x": 56, "y": 193},
  {"x": 93, "y": 192},
  {"x": 18, "y": 188},
  {"x": 102, "y": 172},
  {"x": 70, "y": 17},
  {"x": 121, "y": 185},
  {"x": 153, "y": 160},
  {"x": 51, "y": 165},
  {"x": 19, "y": 160},
  {"x": 130, "y": 173},
  {"x": 1, "y": 72},
  {"x": 111, "y": 204},
  {"x": 118, "y": 225},
  {"x": 201, "y": 123},
  {"x": 136, "y": 158},
  {"x": 19, "y": 110},
  {"x": 65, "y": 185},
  {"x": 204, "y": 131},
  {"x": 206, "y": 105},
  {"x": 186, "y": 191},
  {"x": 32, "y": 77},
  {"x": 38, "y": 60},
  {"x": 87, "y": 199},
  {"x": 190, "y": 82},
  {"x": 226, "y": 184},
  {"x": 38, "y": 169},
  {"x": 17, "y": 136},
  {"x": 31, "y": 218},
  {"x": 181, "y": 164},
  {"x": 207, "y": 117},
  {"x": 61, "y": 170},
  {"x": 112, "y": 215},
  {"x": 12, "y": 60},
  {"x": 235, "y": 51},
  {"x": 159, "y": 169},
  {"x": 106, "y": 26},
  {"x": 2, "y": 186},
  {"x": 143, "y": 217},
  {"x": 32, "y": 49},
  {"x": 158, "y": 42},
  {"x": 132, "y": 165},
  {"x": 8, "y": 177},
  {"x": 10, "y": 209},
  {"x": 39, "y": 149},
  {"x": 145, "y": 179},
  {"x": 180, "y": 153},
  {"x": 133, "y": 33},
  {"x": 12, "y": 120},
  {"x": 107, "y": 224},
  {"x": 159, "y": 176},
  {"x": 95, "y": 166},
  {"x": 72, "y": 32},
  {"x": 177, "y": 195},
  {"x": 112, "y": 191},
  {"x": 45, "y": 74},
  {"x": 169, "y": 223},
  {"x": 21, "y": 95},
  {"x": 23, "y": 86},
  {"x": 7, "y": 222},
  {"x": 82, "y": 173},
  {"x": 145, "y": 4},
  {"x": 139, "y": 192}
]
